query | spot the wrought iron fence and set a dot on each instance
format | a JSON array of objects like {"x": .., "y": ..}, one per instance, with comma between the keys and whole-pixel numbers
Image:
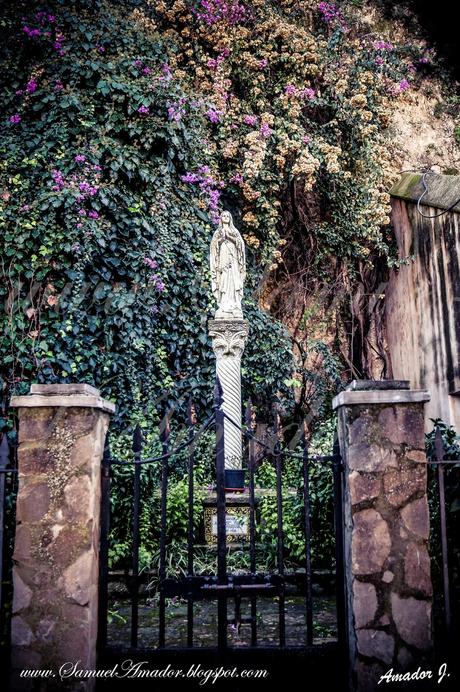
[
  {"x": 8, "y": 491},
  {"x": 445, "y": 549},
  {"x": 225, "y": 585}
]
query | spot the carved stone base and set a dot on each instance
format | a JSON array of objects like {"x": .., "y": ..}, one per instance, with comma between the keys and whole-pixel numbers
[{"x": 237, "y": 512}]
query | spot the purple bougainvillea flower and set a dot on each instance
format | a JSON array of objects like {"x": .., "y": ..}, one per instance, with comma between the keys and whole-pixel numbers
[
  {"x": 290, "y": 89},
  {"x": 250, "y": 120},
  {"x": 93, "y": 214},
  {"x": 31, "y": 86},
  {"x": 190, "y": 178},
  {"x": 152, "y": 263},
  {"x": 80, "y": 158},
  {"x": 15, "y": 119},
  {"x": 58, "y": 85},
  {"x": 262, "y": 64},
  {"x": 143, "y": 110},
  {"x": 82, "y": 212},
  {"x": 403, "y": 85},
  {"x": 308, "y": 93},
  {"x": 213, "y": 115},
  {"x": 265, "y": 130}
]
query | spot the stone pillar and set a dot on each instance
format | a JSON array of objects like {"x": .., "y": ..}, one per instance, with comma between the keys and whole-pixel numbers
[
  {"x": 386, "y": 525},
  {"x": 228, "y": 341},
  {"x": 62, "y": 430}
]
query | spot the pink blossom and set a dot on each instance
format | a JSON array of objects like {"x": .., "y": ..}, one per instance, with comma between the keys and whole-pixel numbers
[
  {"x": 265, "y": 130},
  {"x": 213, "y": 115},
  {"x": 190, "y": 178},
  {"x": 58, "y": 85},
  {"x": 144, "y": 110},
  {"x": 237, "y": 179},
  {"x": 308, "y": 93},
  {"x": 212, "y": 11},
  {"x": 250, "y": 120},
  {"x": 93, "y": 214},
  {"x": 290, "y": 89},
  {"x": 382, "y": 45},
  {"x": 15, "y": 119},
  {"x": 153, "y": 264},
  {"x": 403, "y": 85},
  {"x": 332, "y": 14},
  {"x": 79, "y": 158},
  {"x": 262, "y": 64}
]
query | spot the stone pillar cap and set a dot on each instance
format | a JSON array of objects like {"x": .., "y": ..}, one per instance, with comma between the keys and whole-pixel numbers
[
  {"x": 67, "y": 395},
  {"x": 379, "y": 392}
]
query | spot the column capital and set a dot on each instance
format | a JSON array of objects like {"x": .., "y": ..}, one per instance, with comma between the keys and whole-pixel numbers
[{"x": 228, "y": 336}]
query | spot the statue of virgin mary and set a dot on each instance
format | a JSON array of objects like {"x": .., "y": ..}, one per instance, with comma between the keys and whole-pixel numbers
[{"x": 228, "y": 268}]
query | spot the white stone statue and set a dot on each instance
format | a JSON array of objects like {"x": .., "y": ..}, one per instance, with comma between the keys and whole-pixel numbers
[{"x": 228, "y": 268}]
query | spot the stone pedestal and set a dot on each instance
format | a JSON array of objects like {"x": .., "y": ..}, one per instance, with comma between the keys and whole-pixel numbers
[
  {"x": 237, "y": 513},
  {"x": 228, "y": 341},
  {"x": 62, "y": 430},
  {"x": 386, "y": 526}
]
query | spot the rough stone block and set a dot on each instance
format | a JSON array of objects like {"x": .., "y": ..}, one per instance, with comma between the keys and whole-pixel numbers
[
  {"x": 371, "y": 542},
  {"x": 33, "y": 503},
  {"x": 376, "y": 644},
  {"x": 401, "y": 485},
  {"x": 364, "y": 603},
  {"x": 22, "y": 594},
  {"x": 371, "y": 458},
  {"x": 78, "y": 583},
  {"x": 363, "y": 487},
  {"x": 21, "y": 633},
  {"x": 412, "y": 618},
  {"x": 416, "y": 517},
  {"x": 402, "y": 424},
  {"x": 417, "y": 568}
]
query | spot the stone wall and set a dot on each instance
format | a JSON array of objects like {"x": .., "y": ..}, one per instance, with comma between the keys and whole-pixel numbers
[
  {"x": 386, "y": 527},
  {"x": 61, "y": 436},
  {"x": 423, "y": 295}
]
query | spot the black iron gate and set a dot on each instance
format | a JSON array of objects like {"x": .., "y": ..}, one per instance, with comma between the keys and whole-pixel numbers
[{"x": 226, "y": 588}]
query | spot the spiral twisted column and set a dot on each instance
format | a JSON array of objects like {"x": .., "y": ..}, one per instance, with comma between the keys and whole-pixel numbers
[{"x": 228, "y": 342}]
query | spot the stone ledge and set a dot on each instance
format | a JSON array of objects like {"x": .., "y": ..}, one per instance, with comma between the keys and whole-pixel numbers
[
  {"x": 443, "y": 190},
  {"x": 64, "y": 389},
  {"x": 385, "y": 396},
  {"x": 62, "y": 400}
]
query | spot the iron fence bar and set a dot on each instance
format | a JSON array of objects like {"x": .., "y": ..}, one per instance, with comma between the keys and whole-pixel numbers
[
  {"x": 439, "y": 448},
  {"x": 104, "y": 547},
  {"x": 164, "y": 498},
  {"x": 252, "y": 520},
  {"x": 287, "y": 452},
  {"x": 191, "y": 420},
  {"x": 307, "y": 512},
  {"x": 4, "y": 460},
  {"x": 337, "y": 469},
  {"x": 221, "y": 522},
  {"x": 280, "y": 537},
  {"x": 174, "y": 452},
  {"x": 137, "y": 449}
]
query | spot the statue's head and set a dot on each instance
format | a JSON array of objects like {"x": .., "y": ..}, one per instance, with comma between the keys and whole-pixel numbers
[{"x": 226, "y": 218}]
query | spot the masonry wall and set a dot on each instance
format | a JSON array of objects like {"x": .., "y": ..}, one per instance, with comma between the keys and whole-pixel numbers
[{"x": 423, "y": 296}]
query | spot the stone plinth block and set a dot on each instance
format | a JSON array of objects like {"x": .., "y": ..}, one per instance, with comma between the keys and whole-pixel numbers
[
  {"x": 62, "y": 430},
  {"x": 386, "y": 525}
]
